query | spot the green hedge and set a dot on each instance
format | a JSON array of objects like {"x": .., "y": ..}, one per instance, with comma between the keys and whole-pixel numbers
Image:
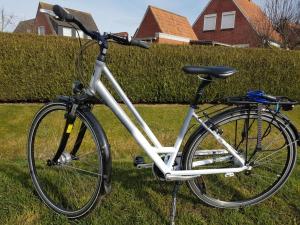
[{"x": 35, "y": 69}]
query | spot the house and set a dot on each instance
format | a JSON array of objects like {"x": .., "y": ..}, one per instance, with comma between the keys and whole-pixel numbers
[
  {"x": 26, "y": 26},
  {"x": 43, "y": 24},
  {"x": 240, "y": 23},
  {"x": 162, "y": 26}
]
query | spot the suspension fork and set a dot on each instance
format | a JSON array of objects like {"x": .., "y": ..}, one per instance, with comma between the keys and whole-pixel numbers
[
  {"x": 79, "y": 139},
  {"x": 70, "y": 119}
]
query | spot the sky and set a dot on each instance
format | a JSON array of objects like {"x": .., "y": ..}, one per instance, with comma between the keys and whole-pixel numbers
[{"x": 110, "y": 16}]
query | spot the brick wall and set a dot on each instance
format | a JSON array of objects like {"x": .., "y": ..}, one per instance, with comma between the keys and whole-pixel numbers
[
  {"x": 243, "y": 33},
  {"x": 148, "y": 27},
  {"x": 42, "y": 20}
]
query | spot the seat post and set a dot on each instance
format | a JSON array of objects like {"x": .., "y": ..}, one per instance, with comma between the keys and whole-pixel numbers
[{"x": 206, "y": 81}]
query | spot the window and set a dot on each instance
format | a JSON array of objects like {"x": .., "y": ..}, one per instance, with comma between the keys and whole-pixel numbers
[
  {"x": 41, "y": 30},
  {"x": 28, "y": 30},
  {"x": 67, "y": 32},
  {"x": 210, "y": 22},
  {"x": 81, "y": 34},
  {"x": 228, "y": 20}
]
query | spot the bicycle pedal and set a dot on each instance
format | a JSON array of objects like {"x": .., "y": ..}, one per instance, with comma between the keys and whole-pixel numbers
[
  {"x": 229, "y": 175},
  {"x": 144, "y": 166},
  {"x": 138, "y": 160}
]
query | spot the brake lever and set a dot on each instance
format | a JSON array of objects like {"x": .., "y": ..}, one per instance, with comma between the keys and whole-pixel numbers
[{"x": 118, "y": 39}]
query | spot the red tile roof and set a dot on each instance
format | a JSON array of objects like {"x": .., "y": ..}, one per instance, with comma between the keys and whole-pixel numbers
[
  {"x": 171, "y": 23},
  {"x": 256, "y": 17}
]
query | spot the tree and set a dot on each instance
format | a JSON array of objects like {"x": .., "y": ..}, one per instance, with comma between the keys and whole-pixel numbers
[
  {"x": 298, "y": 16},
  {"x": 264, "y": 29},
  {"x": 284, "y": 16},
  {"x": 5, "y": 20}
]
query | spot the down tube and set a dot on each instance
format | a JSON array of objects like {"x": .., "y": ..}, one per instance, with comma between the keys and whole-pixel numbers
[
  {"x": 130, "y": 106},
  {"x": 138, "y": 136}
]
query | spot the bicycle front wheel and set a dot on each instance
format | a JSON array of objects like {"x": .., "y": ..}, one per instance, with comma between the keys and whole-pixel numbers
[
  {"x": 272, "y": 158},
  {"x": 72, "y": 186}
]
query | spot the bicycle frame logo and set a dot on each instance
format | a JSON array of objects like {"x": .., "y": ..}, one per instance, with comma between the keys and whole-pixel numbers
[{"x": 154, "y": 151}]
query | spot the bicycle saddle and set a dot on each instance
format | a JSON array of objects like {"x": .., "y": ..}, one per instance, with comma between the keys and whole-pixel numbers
[{"x": 212, "y": 71}]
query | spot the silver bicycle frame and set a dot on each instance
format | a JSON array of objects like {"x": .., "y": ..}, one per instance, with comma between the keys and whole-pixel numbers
[{"x": 155, "y": 149}]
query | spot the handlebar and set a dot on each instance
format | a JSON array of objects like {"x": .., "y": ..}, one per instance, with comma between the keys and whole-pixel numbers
[
  {"x": 126, "y": 41},
  {"x": 64, "y": 15},
  {"x": 138, "y": 43}
]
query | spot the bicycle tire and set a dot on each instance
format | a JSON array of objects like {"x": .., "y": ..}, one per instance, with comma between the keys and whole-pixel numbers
[
  {"x": 94, "y": 132},
  {"x": 199, "y": 185}
]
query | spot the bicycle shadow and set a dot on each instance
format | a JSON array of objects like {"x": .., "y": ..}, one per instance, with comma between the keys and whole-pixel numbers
[
  {"x": 143, "y": 183},
  {"x": 17, "y": 183},
  {"x": 17, "y": 173},
  {"x": 21, "y": 175},
  {"x": 126, "y": 173},
  {"x": 140, "y": 183}
]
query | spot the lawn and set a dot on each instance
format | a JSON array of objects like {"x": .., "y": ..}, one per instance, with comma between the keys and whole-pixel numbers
[{"x": 137, "y": 197}]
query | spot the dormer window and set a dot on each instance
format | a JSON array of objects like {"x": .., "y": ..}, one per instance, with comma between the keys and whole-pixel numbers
[
  {"x": 228, "y": 20},
  {"x": 210, "y": 22}
]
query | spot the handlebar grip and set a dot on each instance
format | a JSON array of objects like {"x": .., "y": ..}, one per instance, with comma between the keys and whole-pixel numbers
[
  {"x": 139, "y": 43},
  {"x": 119, "y": 39},
  {"x": 63, "y": 14}
]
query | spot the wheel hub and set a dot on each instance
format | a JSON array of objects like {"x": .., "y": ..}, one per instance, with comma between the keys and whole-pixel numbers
[{"x": 64, "y": 159}]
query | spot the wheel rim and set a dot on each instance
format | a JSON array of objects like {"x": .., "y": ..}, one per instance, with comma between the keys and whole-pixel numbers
[
  {"x": 72, "y": 186},
  {"x": 270, "y": 166}
]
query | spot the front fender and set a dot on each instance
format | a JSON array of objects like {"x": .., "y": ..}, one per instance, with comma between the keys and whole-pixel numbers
[{"x": 105, "y": 151}]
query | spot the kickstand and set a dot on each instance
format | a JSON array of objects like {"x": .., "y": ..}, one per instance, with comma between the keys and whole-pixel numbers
[{"x": 174, "y": 196}]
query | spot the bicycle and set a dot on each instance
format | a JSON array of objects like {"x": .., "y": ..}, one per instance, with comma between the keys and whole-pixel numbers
[{"x": 238, "y": 156}]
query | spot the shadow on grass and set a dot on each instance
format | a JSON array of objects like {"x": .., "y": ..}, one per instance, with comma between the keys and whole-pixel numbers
[
  {"x": 123, "y": 172},
  {"x": 143, "y": 182},
  {"x": 18, "y": 172},
  {"x": 141, "y": 185}
]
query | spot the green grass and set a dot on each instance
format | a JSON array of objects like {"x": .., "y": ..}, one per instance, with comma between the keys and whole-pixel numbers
[{"x": 137, "y": 198}]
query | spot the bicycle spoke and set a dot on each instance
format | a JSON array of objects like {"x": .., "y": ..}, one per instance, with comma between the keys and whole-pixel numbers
[
  {"x": 260, "y": 159},
  {"x": 86, "y": 154},
  {"x": 71, "y": 185},
  {"x": 268, "y": 165},
  {"x": 267, "y": 159},
  {"x": 85, "y": 171}
]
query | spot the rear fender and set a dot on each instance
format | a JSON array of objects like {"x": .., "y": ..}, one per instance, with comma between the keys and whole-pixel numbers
[{"x": 294, "y": 128}]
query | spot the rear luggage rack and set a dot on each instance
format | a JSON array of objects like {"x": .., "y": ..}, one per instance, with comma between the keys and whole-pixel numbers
[
  {"x": 259, "y": 97},
  {"x": 246, "y": 101}
]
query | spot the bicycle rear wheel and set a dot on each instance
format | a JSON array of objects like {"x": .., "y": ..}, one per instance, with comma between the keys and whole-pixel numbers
[
  {"x": 72, "y": 186},
  {"x": 272, "y": 163}
]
